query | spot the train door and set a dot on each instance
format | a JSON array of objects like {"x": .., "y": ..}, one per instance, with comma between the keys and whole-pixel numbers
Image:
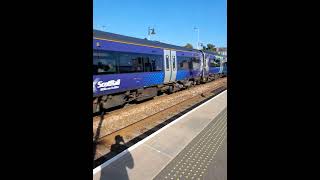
[
  {"x": 201, "y": 61},
  {"x": 221, "y": 65},
  {"x": 167, "y": 67},
  {"x": 170, "y": 65},
  {"x": 224, "y": 71},
  {"x": 205, "y": 64},
  {"x": 174, "y": 66}
]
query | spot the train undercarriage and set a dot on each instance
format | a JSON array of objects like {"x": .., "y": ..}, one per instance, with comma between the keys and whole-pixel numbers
[{"x": 102, "y": 103}]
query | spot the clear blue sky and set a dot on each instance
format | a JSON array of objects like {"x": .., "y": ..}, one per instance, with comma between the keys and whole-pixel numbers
[{"x": 173, "y": 20}]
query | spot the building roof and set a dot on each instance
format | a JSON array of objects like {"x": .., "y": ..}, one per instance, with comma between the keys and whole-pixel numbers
[{"x": 118, "y": 37}]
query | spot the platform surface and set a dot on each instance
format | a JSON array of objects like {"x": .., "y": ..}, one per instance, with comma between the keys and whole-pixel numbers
[{"x": 191, "y": 147}]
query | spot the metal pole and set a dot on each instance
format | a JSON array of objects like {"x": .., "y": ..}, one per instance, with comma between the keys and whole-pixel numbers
[
  {"x": 197, "y": 29},
  {"x": 198, "y": 38}
]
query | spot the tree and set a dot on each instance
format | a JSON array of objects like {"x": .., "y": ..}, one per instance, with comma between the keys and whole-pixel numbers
[
  {"x": 210, "y": 47},
  {"x": 188, "y": 45}
]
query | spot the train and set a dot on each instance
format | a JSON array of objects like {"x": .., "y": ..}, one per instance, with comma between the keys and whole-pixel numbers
[{"x": 129, "y": 69}]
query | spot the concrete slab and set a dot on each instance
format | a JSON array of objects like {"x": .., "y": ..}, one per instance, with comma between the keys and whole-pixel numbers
[{"x": 142, "y": 163}]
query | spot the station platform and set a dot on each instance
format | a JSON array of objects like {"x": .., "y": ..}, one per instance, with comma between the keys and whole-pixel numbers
[{"x": 191, "y": 147}]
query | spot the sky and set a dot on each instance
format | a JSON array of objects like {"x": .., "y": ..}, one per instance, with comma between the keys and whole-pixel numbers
[{"x": 173, "y": 20}]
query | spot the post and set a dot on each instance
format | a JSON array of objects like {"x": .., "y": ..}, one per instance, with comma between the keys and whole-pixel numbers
[
  {"x": 103, "y": 27},
  {"x": 198, "y": 38},
  {"x": 197, "y": 29},
  {"x": 150, "y": 32}
]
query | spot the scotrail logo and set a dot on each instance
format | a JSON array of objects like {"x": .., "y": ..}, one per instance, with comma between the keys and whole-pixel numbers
[
  {"x": 103, "y": 86},
  {"x": 94, "y": 85}
]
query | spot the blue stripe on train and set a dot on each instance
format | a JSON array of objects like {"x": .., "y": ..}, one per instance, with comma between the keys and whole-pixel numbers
[
  {"x": 187, "y": 74},
  {"x": 182, "y": 75},
  {"x": 214, "y": 70}
]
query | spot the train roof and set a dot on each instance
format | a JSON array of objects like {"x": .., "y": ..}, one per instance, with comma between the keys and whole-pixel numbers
[
  {"x": 210, "y": 52},
  {"x": 118, "y": 37}
]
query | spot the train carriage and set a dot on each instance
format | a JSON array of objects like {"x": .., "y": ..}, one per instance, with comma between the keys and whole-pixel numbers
[
  {"x": 127, "y": 69},
  {"x": 214, "y": 66}
]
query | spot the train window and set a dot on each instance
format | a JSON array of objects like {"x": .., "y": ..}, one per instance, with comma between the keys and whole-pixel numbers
[
  {"x": 174, "y": 62},
  {"x": 104, "y": 63},
  {"x": 167, "y": 62},
  {"x": 183, "y": 62},
  {"x": 129, "y": 62},
  {"x": 217, "y": 64},
  {"x": 148, "y": 66},
  {"x": 214, "y": 62},
  {"x": 195, "y": 63},
  {"x": 189, "y": 59},
  {"x": 102, "y": 54},
  {"x": 137, "y": 63},
  {"x": 125, "y": 64},
  {"x": 156, "y": 62}
]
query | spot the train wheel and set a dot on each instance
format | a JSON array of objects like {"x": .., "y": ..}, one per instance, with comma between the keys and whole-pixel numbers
[{"x": 170, "y": 90}]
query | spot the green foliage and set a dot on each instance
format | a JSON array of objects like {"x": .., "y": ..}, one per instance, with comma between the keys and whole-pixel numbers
[
  {"x": 188, "y": 45},
  {"x": 210, "y": 47}
]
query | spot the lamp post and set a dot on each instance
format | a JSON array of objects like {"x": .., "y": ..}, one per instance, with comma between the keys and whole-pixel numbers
[
  {"x": 197, "y": 29},
  {"x": 201, "y": 45},
  {"x": 103, "y": 28},
  {"x": 150, "y": 32}
]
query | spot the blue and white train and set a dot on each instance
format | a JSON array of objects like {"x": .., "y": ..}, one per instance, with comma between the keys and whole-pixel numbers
[{"x": 127, "y": 69}]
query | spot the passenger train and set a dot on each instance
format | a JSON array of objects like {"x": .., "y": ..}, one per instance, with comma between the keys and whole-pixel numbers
[{"x": 130, "y": 69}]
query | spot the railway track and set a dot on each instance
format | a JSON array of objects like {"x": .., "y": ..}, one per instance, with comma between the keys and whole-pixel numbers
[{"x": 132, "y": 133}]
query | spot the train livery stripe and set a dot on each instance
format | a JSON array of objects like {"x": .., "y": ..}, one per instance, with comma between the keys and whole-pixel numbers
[{"x": 140, "y": 44}]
